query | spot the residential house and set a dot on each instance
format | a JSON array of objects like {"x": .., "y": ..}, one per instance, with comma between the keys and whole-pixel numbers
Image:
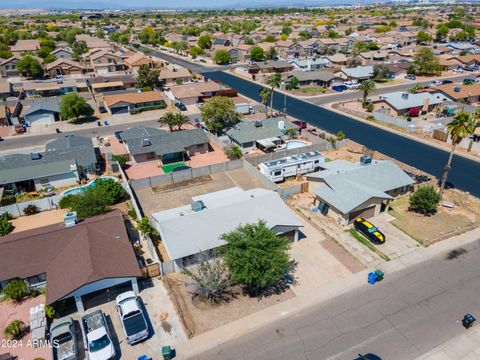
[
  {"x": 41, "y": 112},
  {"x": 104, "y": 62},
  {"x": 124, "y": 103},
  {"x": 47, "y": 88},
  {"x": 127, "y": 82},
  {"x": 62, "y": 53},
  {"x": 232, "y": 51},
  {"x": 75, "y": 264},
  {"x": 243, "y": 52},
  {"x": 147, "y": 144},
  {"x": 93, "y": 42},
  {"x": 399, "y": 103},
  {"x": 221, "y": 42},
  {"x": 469, "y": 94},
  {"x": 8, "y": 67},
  {"x": 134, "y": 62},
  {"x": 310, "y": 64},
  {"x": 270, "y": 66},
  {"x": 22, "y": 46},
  {"x": 197, "y": 92},
  {"x": 265, "y": 134},
  {"x": 358, "y": 190},
  {"x": 337, "y": 59},
  {"x": 63, "y": 66},
  {"x": 190, "y": 231},
  {"x": 175, "y": 75},
  {"x": 64, "y": 162},
  {"x": 319, "y": 78},
  {"x": 358, "y": 73}
]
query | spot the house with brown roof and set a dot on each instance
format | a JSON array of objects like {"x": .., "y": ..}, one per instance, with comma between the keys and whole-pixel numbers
[
  {"x": 124, "y": 103},
  {"x": 459, "y": 92},
  {"x": 174, "y": 75},
  {"x": 104, "y": 62},
  {"x": 62, "y": 53},
  {"x": 8, "y": 67},
  {"x": 196, "y": 92},
  {"x": 72, "y": 263},
  {"x": 64, "y": 67},
  {"x": 93, "y": 42},
  {"x": 134, "y": 62},
  {"x": 22, "y": 46}
]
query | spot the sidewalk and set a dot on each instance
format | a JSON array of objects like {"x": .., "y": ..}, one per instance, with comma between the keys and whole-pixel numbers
[{"x": 211, "y": 339}]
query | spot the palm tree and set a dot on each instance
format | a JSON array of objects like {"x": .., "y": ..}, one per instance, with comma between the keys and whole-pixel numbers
[
  {"x": 462, "y": 126},
  {"x": 367, "y": 87},
  {"x": 181, "y": 120},
  {"x": 274, "y": 82},
  {"x": 264, "y": 94},
  {"x": 168, "y": 119}
]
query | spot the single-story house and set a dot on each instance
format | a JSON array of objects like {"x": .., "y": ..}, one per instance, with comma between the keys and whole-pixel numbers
[
  {"x": 42, "y": 112},
  {"x": 196, "y": 92},
  {"x": 400, "y": 102},
  {"x": 191, "y": 230},
  {"x": 356, "y": 190},
  {"x": 22, "y": 46},
  {"x": 310, "y": 64},
  {"x": 128, "y": 81},
  {"x": 265, "y": 134},
  {"x": 75, "y": 263},
  {"x": 47, "y": 88},
  {"x": 270, "y": 66},
  {"x": 358, "y": 73},
  {"x": 460, "y": 92},
  {"x": 63, "y": 163},
  {"x": 175, "y": 75},
  {"x": 337, "y": 59},
  {"x": 320, "y": 78},
  {"x": 146, "y": 144},
  {"x": 123, "y": 103}
]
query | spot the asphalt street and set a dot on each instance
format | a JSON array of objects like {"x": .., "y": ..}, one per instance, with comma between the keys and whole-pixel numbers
[
  {"x": 465, "y": 173},
  {"x": 401, "y": 318}
]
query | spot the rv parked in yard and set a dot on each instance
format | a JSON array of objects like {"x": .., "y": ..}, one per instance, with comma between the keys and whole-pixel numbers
[
  {"x": 244, "y": 108},
  {"x": 96, "y": 337},
  {"x": 278, "y": 170},
  {"x": 132, "y": 317},
  {"x": 63, "y": 339}
]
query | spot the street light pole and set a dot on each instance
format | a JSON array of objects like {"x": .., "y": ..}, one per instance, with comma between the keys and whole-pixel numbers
[{"x": 283, "y": 86}]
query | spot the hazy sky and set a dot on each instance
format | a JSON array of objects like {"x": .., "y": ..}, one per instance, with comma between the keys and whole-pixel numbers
[{"x": 49, "y": 4}]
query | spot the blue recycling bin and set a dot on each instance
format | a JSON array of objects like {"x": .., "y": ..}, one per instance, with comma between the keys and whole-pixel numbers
[
  {"x": 105, "y": 122},
  {"x": 143, "y": 357},
  {"x": 372, "y": 278}
]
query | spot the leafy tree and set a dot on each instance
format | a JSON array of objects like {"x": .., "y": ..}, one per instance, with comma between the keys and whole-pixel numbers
[
  {"x": 16, "y": 290},
  {"x": 168, "y": 119},
  {"x": 195, "y": 51},
  {"x": 72, "y": 106},
  {"x": 442, "y": 32},
  {"x": 212, "y": 280},
  {"x": 426, "y": 62},
  {"x": 14, "y": 330},
  {"x": 233, "y": 152},
  {"x": 100, "y": 33},
  {"x": 274, "y": 82},
  {"x": 219, "y": 114},
  {"x": 29, "y": 66},
  {"x": 423, "y": 37},
  {"x": 293, "y": 83},
  {"x": 425, "y": 200},
  {"x": 257, "y": 54},
  {"x": 120, "y": 159},
  {"x": 367, "y": 87},
  {"x": 147, "y": 77},
  {"x": 112, "y": 190},
  {"x": 462, "y": 126},
  {"x": 287, "y": 30},
  {"x": 5, "y": 226},
  {"x": 205, "y": 42},
  {"x": 256, "y": 256},
  {"x": 5, "y": 52},
  {"x": 417, "y": 87},
  {"x": 380, "y": 72},
  {"x": 146, "y": 228},
  {"x": 332, "y": 34},
  {"x": 249, "y": 41},
  {"x": 305, "y": 35},
  {"x": 272, "y": 53},
  {"x": 222, "y": 57},
  {"x": 87, "y": 204},
  {"x": 270, "y": 38},
  {"x": 79, "y": 48}
]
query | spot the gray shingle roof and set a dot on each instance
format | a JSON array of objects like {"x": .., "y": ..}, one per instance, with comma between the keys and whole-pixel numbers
[
  {"x": 194, "y": 232},
  {"x": 401, "y": 100},
  {"x": 162, "y": 142},
  {"x": 314, "y": 75},
  {"x": 347, "y": 187},
  {"x": 43, "y": 104},
  {"x": 246, "y": 131},
  {"x": 359, "y": 72},
  {"x": 139, "y": 132}
]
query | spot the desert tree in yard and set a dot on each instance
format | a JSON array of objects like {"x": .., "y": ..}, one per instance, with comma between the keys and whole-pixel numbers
[
  {"x": 168, "y": 119},
  {"x": 72, "y": 107},
  {"x": 220, "y": 114},
  {"x": 274, "y": 82},
  {"x": 462, "y": 126},
  {"x": 265, "y": 94},
  {"x": 367, "y": 87},
  {"x": 212, "y": 280},
  {"x": 233, "y": 152},
  {"x": 258, "y": 258},
  {"x": 425, "y": 200}
]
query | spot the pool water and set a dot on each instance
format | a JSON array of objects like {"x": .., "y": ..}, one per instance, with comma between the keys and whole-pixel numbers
[
  {"x": 80, "y": 189},
  {"x": 295, "y": 144}
]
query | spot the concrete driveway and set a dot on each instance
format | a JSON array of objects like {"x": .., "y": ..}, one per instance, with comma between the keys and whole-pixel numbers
[{"x": 397, "y": 243}]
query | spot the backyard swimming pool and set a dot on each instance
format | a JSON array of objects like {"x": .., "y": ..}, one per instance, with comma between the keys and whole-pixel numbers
[
  {"x": 80, "y": 189},
  {"x": 294, "y": 144}
]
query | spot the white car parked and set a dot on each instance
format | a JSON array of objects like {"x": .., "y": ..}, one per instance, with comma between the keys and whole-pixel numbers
[
  {"x": 458, "y": 70},
  {"x": 435, "y": 83},
  {"x": 351, "y": 85}
]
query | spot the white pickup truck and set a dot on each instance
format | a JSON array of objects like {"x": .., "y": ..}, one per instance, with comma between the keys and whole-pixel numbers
[
  {"x": 96, "y": 337},
  {"x": 131, "y": 315}
]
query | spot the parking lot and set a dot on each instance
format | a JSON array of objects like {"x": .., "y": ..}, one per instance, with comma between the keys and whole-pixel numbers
[{"x": 164, "y": 325}]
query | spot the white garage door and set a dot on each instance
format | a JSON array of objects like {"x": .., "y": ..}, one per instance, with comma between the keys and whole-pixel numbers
[{"x": 41, "y": 119}]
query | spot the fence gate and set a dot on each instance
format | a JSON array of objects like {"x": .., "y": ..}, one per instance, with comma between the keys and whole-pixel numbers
[{"x": 167, "y": 267}]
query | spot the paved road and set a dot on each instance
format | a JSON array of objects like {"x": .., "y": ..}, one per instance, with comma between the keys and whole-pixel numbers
[
  {"x": 427, "y": 158},
  {"x": 406, "y": 315},
  {"x": 352, "y": 95}
]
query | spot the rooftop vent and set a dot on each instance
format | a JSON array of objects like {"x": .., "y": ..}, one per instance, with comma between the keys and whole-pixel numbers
[
  {"x": 35, "y": 156},
  {"x": 457, "y": 89},
  {"x": 198, "y": 205},
  {"x": 257, "y": 123},
  {"x": 146, "y": 142},
  {"x": 70, "y": 219},
  {"x": 365, "y": 160},
  {"x": 404, "y": 95}
]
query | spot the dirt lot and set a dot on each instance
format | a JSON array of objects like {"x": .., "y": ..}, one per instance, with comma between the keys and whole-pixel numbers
[
  {"x": 201, "y": 316},
  {"x": 170, "y": 196},
  {"x": 426, "y": 229}
]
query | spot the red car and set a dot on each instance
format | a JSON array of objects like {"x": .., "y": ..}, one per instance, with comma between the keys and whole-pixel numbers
[{"x": 301, "y": 124}]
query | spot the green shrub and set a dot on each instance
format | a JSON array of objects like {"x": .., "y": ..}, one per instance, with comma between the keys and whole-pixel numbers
[
  {"x": 122, "y": 160},
  {"x": 14, "y": 330},
  {"x": 163, "y": 105},
  {"x": 31, "y": 210},
  {"x": 233, "y": 152},
  {"x": 425, "y": 200},
  {"x": 50, "y": 311},
  {"x": 5, "y": 226},
  {"x": 112, "y": 190},
  {"x": 66, "y": 202},
  {"x": 16, "y": 290}
]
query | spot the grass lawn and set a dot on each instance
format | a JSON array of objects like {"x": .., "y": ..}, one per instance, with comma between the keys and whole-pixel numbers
[
  {"x": 424, "y": 229},
  {"x": 367, "y": 243},
  {"x": 170, "y": 167},
  {"x": 312, "y": 90}
]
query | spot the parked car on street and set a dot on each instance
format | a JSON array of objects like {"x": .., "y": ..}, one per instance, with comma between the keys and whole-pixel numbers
[
  {"x": 435, "y": 83},
  {"x": 458, "y": 70},
  {"x": 410, "y": 77},
  {"x": 132, "y": 318},
  {"x": 339, "y": 88},
  {"x": 368, "y": 230},
  {"x": 351, "y": 85},
  {"x": 447, "y": 82},
  {"x": 63, "y": 339},
  {"x": 301, "y": 124}
]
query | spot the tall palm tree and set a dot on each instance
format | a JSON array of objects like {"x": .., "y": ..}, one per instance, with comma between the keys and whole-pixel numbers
[
  {"x": 168, "y": 119},
  {"x": 274, "y": 82},
  {"x": 367, "y": 87},
  {"x": 181, "y": 120},
  {"x": 264, "y": 94},
  {"x": 462, "y": 126}
]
